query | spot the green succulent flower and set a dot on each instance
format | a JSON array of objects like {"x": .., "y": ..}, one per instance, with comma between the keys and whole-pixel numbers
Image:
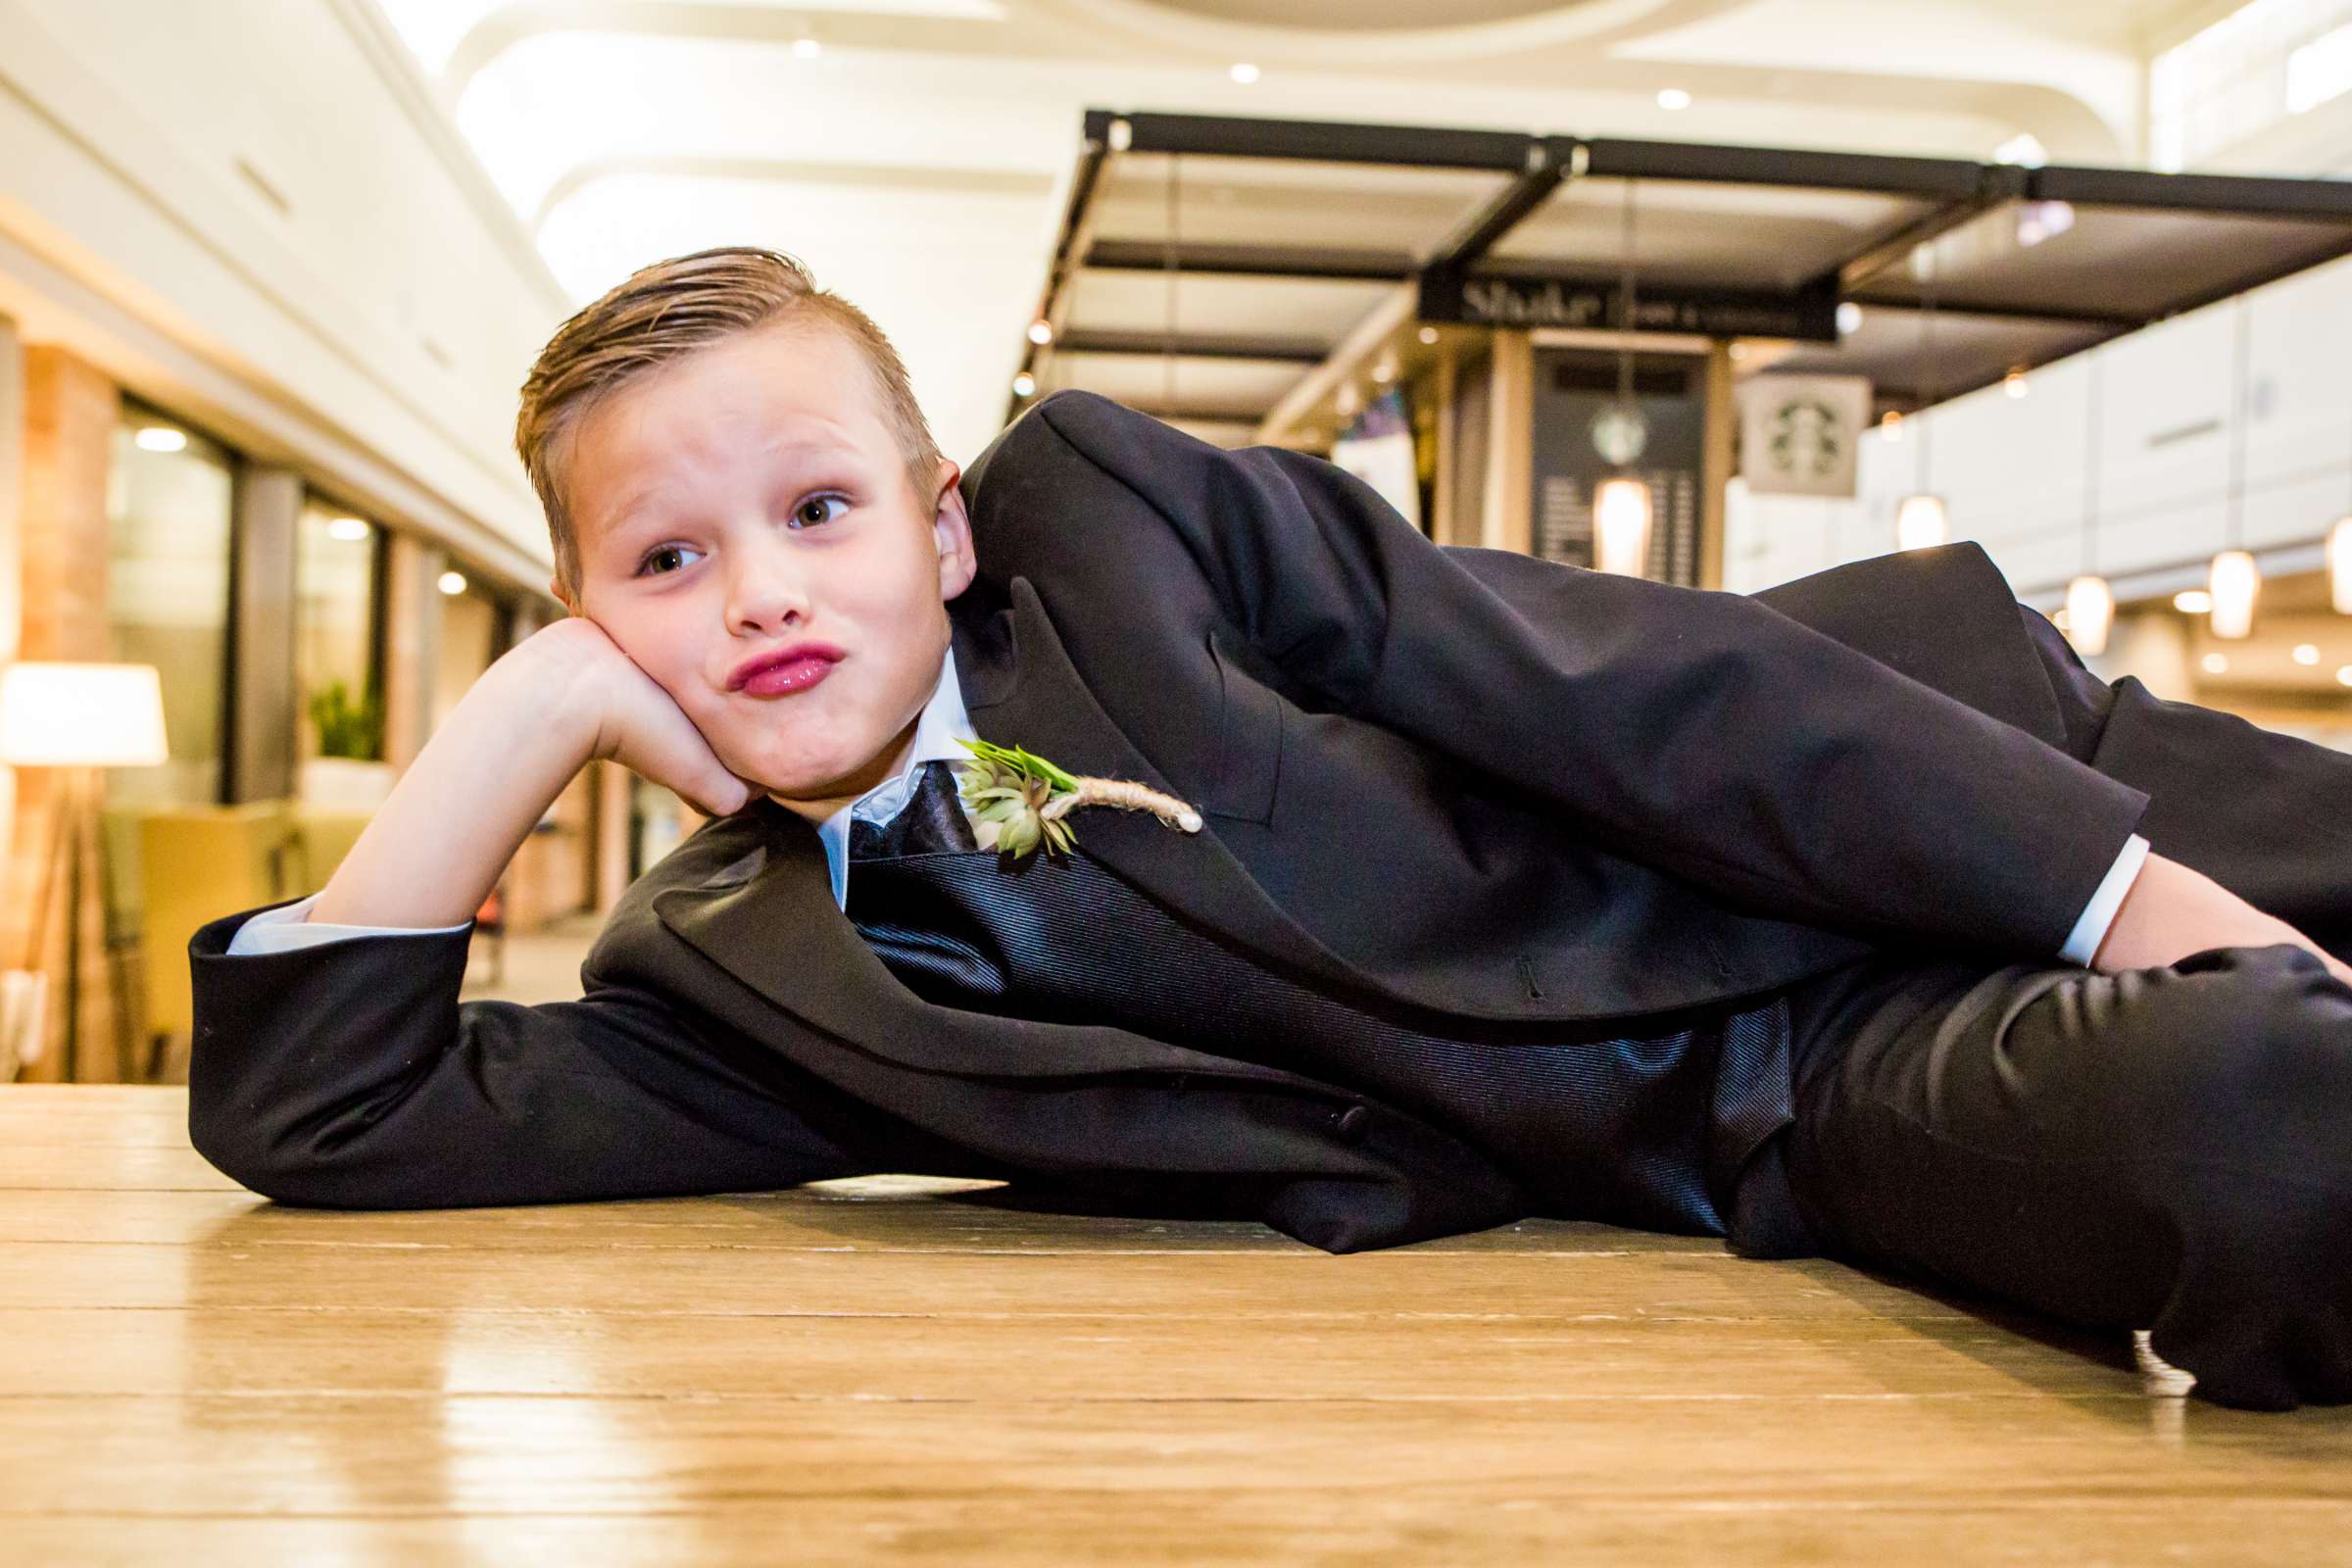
[{"x": 1012, "y": 788}]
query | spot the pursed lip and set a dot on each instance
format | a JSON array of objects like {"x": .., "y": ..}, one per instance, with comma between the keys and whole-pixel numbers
[{"x": 782, "y": 656}]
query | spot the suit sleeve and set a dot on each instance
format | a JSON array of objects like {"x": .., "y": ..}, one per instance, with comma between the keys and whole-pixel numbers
[
  {"x": 346, "y": 1074},
  {"x": 1698, "y": 731}
]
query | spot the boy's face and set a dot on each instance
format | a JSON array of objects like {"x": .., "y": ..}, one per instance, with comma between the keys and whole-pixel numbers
[{"x": 748, "y": 497}]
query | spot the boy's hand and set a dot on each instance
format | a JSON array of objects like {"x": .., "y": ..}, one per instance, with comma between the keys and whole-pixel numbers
[
  {"x": 2171, "y": 911},
  {"x": 635, "y": 722}
]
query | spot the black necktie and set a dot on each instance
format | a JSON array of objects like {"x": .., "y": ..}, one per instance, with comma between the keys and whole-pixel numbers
[{"x": 931, "y": 820}]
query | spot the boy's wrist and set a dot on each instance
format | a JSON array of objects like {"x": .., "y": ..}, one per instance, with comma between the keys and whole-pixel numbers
[
  {"x": 546, "y": 673},
  {"x": 2173, "y": 911}
]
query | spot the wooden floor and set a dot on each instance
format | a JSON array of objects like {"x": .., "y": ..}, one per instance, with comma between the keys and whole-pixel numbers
[{"x": 909, "y": 1371}]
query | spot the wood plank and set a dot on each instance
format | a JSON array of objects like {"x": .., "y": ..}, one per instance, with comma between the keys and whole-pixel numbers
[
  {"x": 1177, "y": 1528},
  {"x": 1300, "y": 1283},
  {"x": 907, "y": 1214},
  {"x": 111, "y": 1167},
  {"x": 97, "y": 1351},
  {"x": 1708, "y": 1449}
]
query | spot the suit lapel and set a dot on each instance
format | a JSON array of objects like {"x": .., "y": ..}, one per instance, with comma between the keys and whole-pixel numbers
[
  {"x": 767, "y": 918},
  {"x": 1042, "y": 703}
]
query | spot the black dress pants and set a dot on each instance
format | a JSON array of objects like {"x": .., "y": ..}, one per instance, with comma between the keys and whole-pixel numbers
[{"x": 2166, "y": 1149}]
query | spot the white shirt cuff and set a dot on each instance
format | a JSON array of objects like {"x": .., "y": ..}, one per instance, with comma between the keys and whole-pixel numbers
[
  {"x": 287, "y": 928},
  {"x": 2099, "y": 914}
]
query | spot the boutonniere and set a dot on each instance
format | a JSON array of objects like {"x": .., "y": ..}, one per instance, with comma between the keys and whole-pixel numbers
[{"x": 1026, "y": 799}]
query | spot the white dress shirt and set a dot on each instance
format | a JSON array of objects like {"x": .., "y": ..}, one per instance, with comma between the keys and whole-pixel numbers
[{"x": 937, "y": 729}]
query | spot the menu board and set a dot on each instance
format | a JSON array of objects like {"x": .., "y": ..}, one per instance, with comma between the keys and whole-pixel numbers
[{"x": 1574, "y": 403}]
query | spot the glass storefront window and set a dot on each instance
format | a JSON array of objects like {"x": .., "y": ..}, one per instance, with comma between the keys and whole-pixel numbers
[
  {"x": 473, "y": 626},
  {"x": 171, "y": 496},
  {"x": 337, "y": 677}
]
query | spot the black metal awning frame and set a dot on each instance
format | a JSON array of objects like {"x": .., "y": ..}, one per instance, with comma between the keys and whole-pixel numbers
[{"x": 1949, "y": 193}]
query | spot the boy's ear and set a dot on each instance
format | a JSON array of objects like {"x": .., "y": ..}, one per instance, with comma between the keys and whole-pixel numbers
[
  {"x": 555, "y": 585},
  {"x": 951, "y": 529}
]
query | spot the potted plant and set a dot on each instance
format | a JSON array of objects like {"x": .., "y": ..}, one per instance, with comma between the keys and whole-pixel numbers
[{"x": 346, "y": 774}]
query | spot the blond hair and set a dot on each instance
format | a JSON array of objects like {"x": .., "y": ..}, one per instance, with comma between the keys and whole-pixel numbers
[{"x": 667, "y": 309}]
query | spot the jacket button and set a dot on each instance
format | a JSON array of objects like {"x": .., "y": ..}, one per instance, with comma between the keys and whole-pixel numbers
[{"x": 1351, "y": 1124}]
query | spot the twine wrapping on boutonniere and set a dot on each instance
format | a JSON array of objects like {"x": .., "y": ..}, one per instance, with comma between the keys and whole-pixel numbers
[{"x": 1023, "y": 800}]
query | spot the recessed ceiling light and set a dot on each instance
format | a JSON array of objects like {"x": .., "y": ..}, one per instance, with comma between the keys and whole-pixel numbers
[
  {"x": 1850, "y": 319},
  {"x": 452, "y": 582},
  {"x": 1023, "y": 384},
  {"x": 2015, "y": 384},
  {"x": 2307, "y": 652},
  {"x": 347, "y": 528},
  {"x": 1041, "y": 332},
  {"x": 2215, "y": 664},
  {"x": 1242, "y": 71},
  {"x": 807, "y": 48},
  {"x": 160, "y": 438},
  {"x": 2194, "y": 602},
  {"x": 2343, "y": 675},
  {"x": 1429, "y": 334},
  {"x": 1673, "y": 98}
]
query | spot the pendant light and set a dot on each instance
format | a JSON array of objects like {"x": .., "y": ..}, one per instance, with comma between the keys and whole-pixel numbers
[
  {"x": 2235, "y": 580},
  {"x": 1919, "y": 522},
  {"x": 2090, "y": 598},
  {"x": 1621, "y": 507}
]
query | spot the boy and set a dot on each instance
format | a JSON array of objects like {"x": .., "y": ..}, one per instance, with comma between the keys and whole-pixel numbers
[{"x": 1823, "y": 919}]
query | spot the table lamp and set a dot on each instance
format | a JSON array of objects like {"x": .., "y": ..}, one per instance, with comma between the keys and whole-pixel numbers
[{"x": 78, "y": 718}]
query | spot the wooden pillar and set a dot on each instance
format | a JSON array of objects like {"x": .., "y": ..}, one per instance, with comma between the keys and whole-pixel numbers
[
  {"x": 555, "y": 870},
  {"x": 1442, "y": 523},
  {"x": 69, "y": 411},
  {"x": 1508, "y": 521},
  {"x": 411, "y": 646},
  {"x": 11, "y": 497},
  {"x": 1719, "y": 423},
  {"x": 613, "y": 790},
  {"x": 262, "y": 697}
]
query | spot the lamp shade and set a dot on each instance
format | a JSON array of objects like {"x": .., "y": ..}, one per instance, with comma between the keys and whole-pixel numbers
[
  {"x": 87, "y": 716},
  {"x": 2235, "y": 583},
  {"x": 1919, "y": 523},
  {"x": 1621, "y": 520},
  {"x": 2090, "y": 613}
]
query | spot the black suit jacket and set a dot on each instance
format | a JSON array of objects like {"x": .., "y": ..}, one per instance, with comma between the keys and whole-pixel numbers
[{"x": 1458, "y": 778}]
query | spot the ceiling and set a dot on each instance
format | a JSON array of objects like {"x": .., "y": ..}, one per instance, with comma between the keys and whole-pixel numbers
[{"x": 920, "y": 154}]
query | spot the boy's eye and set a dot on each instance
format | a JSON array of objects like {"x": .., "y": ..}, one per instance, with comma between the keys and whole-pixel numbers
[
  {"x": 813, "y": 510},
  {"x": 647, "y": 567}
]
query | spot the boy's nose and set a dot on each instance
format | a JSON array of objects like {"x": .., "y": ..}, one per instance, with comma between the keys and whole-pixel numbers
[{"x": 765, "y": 589}]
